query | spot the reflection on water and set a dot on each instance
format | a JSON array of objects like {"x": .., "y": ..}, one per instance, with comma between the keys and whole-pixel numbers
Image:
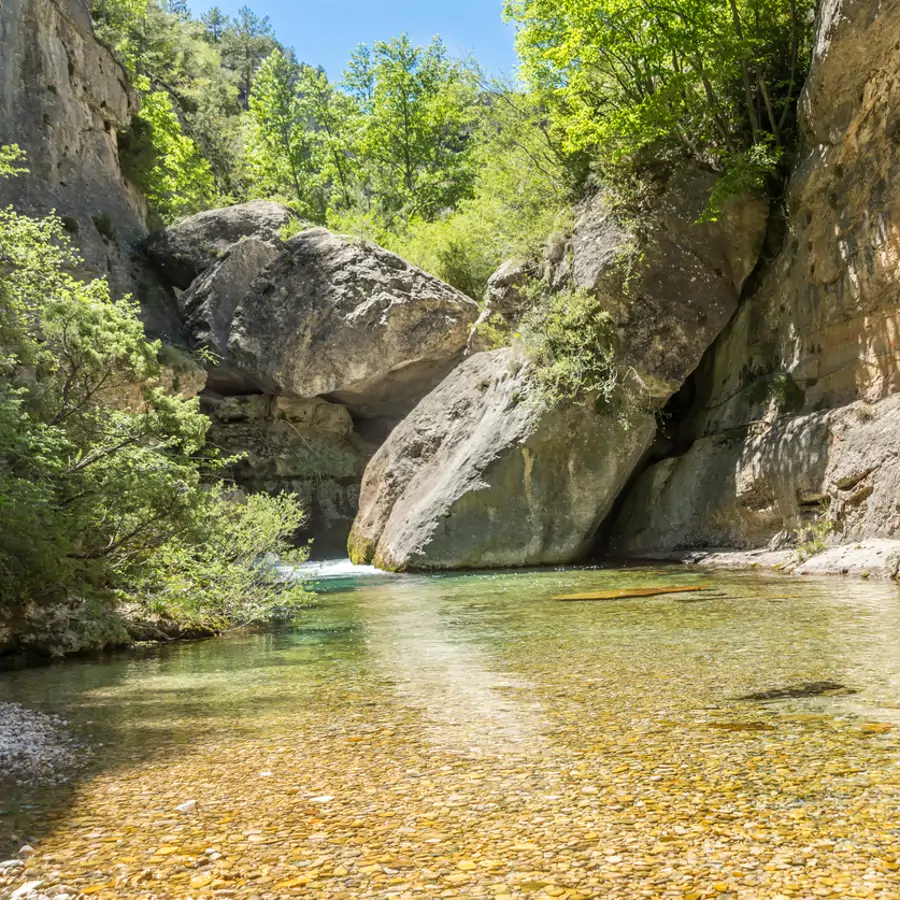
[{"x": 474, "y": 708}]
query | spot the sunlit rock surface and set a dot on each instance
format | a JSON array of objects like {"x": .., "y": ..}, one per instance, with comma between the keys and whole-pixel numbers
[
  {"x": 482, "y": 475},
  {"x": 479, "y": 475},
  {"x": 350, "y": 321}
]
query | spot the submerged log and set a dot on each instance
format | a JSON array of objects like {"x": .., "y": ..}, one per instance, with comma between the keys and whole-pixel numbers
[{"x": 624, "y": 593}]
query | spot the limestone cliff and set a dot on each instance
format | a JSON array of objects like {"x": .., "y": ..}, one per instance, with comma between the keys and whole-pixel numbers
[
  {"x": 792, "y": 411},
  {"x": 63, "y": 100}
]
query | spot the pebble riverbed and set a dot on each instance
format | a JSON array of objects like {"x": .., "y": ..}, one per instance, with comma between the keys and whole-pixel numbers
[{"x": 450, "y": 739}]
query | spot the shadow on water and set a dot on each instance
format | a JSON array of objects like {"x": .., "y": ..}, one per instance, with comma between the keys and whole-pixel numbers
[{"x": 133, "y": 707}]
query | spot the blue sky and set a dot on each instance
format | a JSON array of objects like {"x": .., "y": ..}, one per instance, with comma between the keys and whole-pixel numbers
[{"x": 324, "y": 32}]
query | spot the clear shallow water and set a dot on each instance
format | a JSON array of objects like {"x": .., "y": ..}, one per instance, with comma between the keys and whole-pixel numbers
[{"x": 466, "y": 736}]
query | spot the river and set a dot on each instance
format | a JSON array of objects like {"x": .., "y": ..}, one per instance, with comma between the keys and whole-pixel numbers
[{"x": 467, "y": 736}]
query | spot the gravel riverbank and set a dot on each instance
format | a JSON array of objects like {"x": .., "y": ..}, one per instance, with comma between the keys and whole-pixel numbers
[{"x": 35, "y": 747}]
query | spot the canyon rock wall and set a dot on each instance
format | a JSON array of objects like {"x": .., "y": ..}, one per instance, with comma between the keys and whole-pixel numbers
[
  {"x": 792, "y": 411},
  {"x": 63, "y": 99}
]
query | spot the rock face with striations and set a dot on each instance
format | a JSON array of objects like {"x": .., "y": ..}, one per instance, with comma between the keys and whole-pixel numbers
[
  {"x": 791, "y": 408},
  {"x": 306, "y": 446},
  {"x": 479, "y": 476},
  {"x": 63, "y": 100}
]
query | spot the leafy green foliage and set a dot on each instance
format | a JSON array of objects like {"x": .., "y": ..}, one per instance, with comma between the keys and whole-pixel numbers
[
  {"x": 245, "y": 43},
  {"x": 521, "y": 195},
  {"x": 747, "y": 172},
  {"x": 180, "y": 181},
  {"x": 416, "y": 114},
  {"x": 280, "y": 148},
  {"x": 298, "y": 144},
  {"x": 226, "y": 575},
  {"x": 410, "y": 150},
  {"x": 626, "y": 80},
  {"x": 102, "y": 473},
  {"x": 573, "y": 346},
  {"x": 169, "y": 53}
]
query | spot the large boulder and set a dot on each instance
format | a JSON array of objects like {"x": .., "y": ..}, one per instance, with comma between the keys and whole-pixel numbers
[
  {"x": 670, "y": 276},
  {"x": 186, "y": 250},
  {"x": 670, "y": 280},
  {"x": 481, "y": 475},
  {"x": 350, "y": 321}
]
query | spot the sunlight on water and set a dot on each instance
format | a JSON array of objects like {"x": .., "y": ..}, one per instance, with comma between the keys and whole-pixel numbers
[{"x": 466, "y": 736}]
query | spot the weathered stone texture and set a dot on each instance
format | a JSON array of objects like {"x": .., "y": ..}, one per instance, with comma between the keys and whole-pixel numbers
[{"x": 768, "y": 439}]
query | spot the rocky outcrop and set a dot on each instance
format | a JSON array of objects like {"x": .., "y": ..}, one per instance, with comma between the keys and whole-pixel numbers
[
  {"x": 747, "y": 488},
  {"x": 670, "y": 279},
  {"x": 786, "y": 412},
  {"x": 185, "y": 251},
  {"x": 208, "y": 309},
  {"x": 479, "y": 475},
  {"x": 350, "y": 321},
  {"x": 305, "y": 446}
]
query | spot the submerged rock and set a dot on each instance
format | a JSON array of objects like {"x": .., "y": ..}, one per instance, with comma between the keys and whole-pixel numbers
[
  {"x": 35, "y": 748},
  {"x": 480, "y": 475},
  {"x": 809, "y": 689}
]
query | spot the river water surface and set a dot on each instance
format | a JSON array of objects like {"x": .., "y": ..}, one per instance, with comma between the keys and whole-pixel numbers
[{"x": 467, "y": 736}]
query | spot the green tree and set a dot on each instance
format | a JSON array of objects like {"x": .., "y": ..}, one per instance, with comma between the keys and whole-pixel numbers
[
  {"x": 171, "y": 54},
  {"x": 417, "y": 113},
  {"x": 105, "y": 480},
  {"x": 180, "y": 181},
  {"x": 685, "y": 77},
  {"x": 245, "y": 44},
  {"x": 331, "y": 116},
  {"x": 522, "y": 193},
  {"x": 280, "y": 151},
  {"x": 215, "y": 22}
]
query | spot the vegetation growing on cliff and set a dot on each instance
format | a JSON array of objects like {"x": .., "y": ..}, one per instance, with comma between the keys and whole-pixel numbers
[
  {"x": 417, "y": 151},
  {"x": 107, "y": 490}
]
